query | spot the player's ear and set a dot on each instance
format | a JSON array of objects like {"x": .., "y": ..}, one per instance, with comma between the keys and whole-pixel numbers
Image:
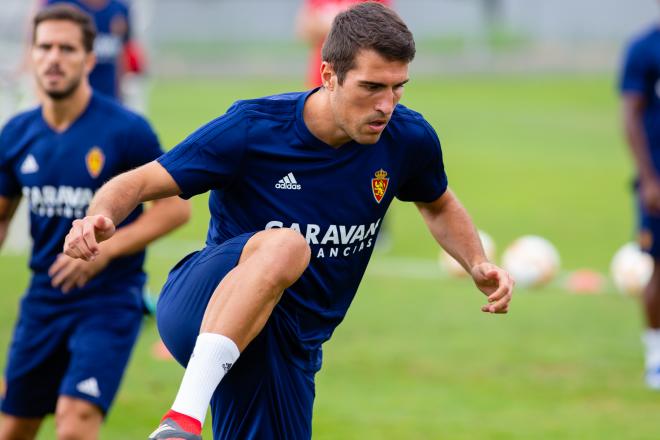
[{"x": 327, "y": 76}]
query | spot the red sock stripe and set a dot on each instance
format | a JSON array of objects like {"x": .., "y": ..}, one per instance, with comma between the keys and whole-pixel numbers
[{"x": 187, "y": 423}]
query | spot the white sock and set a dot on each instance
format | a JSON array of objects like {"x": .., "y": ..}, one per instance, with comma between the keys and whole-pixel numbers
[
  {"x": 212, "y": 357},
  {"x": 652, "y": 342}
]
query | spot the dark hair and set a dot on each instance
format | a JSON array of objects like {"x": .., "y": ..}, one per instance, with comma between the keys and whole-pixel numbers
[
  {"x": 370, "y": 26},
  {"x": 71, "y": 13}
]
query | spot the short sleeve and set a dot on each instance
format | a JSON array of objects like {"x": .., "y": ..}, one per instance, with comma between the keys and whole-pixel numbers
[
  {"x": 426, "y": 179},
  {"x": 9, "y": 184},
  {"x": 635, "y": 69},
  {"x": 210, "y": 158},
  {"x": 142, "y": 145}
]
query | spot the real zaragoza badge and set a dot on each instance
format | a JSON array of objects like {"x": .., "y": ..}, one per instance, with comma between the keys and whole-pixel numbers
[
  {"x": 95, "y": 160},
  {"x": 379, "y": 184}
]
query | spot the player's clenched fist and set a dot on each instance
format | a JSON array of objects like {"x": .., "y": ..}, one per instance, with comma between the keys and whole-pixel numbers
[{"x": 83, "y": 239}]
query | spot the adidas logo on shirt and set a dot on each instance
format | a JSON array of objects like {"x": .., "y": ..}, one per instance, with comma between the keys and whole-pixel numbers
[
  {"x": 288, "y": 182},
  {"x": 90, "y": 387},
  {"x": 29, "y": 165}
]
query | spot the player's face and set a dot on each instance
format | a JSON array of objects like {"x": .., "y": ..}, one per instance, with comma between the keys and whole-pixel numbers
[
  {"x": 59, "y": 58},
  {"x": 363, "y": 104}
]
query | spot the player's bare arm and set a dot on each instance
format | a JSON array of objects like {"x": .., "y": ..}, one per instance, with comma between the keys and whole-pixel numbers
[
  {"x": 452, "y": 227},
  {"x": 114, "y": 201},
  {"x": 633, "y": 109},
  {"x": 163, "y": 216},
  {"x": 7, "y": 208}
]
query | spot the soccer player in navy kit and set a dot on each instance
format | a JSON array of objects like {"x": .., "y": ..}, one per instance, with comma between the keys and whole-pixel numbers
[
  {"x": 78, "y": 320},
  {"x": 640, "y": 91},
  {"x": 299, "y": 185}
]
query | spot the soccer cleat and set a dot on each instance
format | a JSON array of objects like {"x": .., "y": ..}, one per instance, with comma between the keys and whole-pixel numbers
[
  {"x": 653, "y": 378},
  {"x": 170, "y": 430}
]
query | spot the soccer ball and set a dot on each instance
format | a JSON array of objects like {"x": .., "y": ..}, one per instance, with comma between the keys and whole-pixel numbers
[
  {"x": 531, "y": 260},
  {"x": 631, "y": 269},
  {"x": 453, "y": 268}
]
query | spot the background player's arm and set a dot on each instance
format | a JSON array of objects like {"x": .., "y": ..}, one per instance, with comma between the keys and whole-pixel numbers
[
  {"x": 7, "y": 208},
  {"x": 163, "y": 216},
  {"x": 634, "y": 105},
  {"x": 453, "y": 229},
  {"x": 116, "y": 199}
]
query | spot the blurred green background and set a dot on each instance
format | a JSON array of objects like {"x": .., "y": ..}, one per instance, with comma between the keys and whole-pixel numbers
[{"x": 415, "y": 357}]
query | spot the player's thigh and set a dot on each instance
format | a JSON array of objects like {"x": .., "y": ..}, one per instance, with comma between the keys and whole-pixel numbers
[
  {"x": 189, "y": 287},
  {"x": 265, "y": 395},
  {"x": 21, "y": 428},
  {"x": 77, "y": 418},
  {"x": 100, "y": 345},
  {"x": 37, "y": 360}
]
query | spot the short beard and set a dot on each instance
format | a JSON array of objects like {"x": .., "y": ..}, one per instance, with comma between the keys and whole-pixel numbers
[{"x": 66, "y": 93}]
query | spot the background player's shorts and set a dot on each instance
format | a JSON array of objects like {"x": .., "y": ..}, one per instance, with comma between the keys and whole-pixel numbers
[
  {"x": 265, "y": 395},
  {"x": 649, "y": 231},
  {"x": 72, "y": 348}
]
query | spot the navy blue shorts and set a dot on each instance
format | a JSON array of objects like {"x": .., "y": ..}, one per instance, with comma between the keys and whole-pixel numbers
[
  {"x": 71, "y": 348},
  {"x": 265, "y": 395},
  {"x": 649, "y": 231}
]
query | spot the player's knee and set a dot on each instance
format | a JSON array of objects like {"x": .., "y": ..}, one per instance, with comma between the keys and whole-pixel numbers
[
  {"x": 286, "y": 255},
  {"x": 76, "y": 424}
]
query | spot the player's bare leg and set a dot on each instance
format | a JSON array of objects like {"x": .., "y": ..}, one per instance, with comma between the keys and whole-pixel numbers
[
  {"x": 271, "y": 261},
  {"x": 651, "y": 301},
  {"x": 77, "y": 419},
  {"x": 18, "y": 428}
]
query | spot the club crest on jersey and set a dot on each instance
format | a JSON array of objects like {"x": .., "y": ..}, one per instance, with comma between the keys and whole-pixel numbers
[
  {"x": 379, "y": 184},
  {"x": 95, "y": 160}
]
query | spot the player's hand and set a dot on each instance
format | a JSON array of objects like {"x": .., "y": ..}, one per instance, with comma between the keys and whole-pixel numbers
[
  {"x": 67, "y": 273},
  {"x": 649, "y": 190},
  {"x": 83, "y": 239},
  {"x": 496, "y": 283}
]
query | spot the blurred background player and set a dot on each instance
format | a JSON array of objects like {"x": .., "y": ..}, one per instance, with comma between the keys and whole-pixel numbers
[
  {"x": 117, "y": 52},
  {"x": 640, "y": 92},
  {"x": 78, "y": 321}
]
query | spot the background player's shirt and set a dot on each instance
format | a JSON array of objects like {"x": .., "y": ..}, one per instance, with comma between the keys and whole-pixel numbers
[
  {"x": 113, "y": 31},
  {"x": 58, "y": 173},
  {"x": 640, "y": 74},
  {"x": 267, "y": 170}
]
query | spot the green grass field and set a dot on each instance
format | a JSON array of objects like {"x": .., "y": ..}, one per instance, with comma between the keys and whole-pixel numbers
[{"x": 415, "y": 358}]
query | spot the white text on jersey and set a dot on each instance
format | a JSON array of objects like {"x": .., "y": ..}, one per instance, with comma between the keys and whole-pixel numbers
[
  {"x": 61, "y": 201},
  {"x": 347, "y": 240}
]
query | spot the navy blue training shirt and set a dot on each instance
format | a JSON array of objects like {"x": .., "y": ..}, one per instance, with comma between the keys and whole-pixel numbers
[
  {"x": 640, "y": 74},
  {"x": 265, "y": 169},
  {"x": 58, "y": 173}
]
